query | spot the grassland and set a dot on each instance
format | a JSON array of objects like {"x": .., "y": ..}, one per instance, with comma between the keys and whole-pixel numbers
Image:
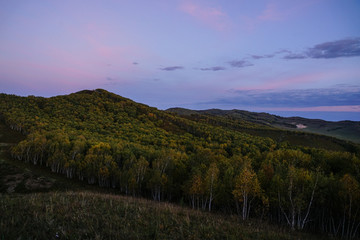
[{"x": 90, "y": 215}]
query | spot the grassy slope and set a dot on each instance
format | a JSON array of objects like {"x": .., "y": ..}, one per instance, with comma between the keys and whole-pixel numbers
[
  {"x": 318, "y": 133},
  {"x": 346, "y": 130},
  {"x": 67, "y": 209},
  {"x": 87, "y": 215}
]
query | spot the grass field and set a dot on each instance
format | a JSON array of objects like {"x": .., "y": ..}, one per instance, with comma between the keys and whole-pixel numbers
[{"x": 89, "y": 215}]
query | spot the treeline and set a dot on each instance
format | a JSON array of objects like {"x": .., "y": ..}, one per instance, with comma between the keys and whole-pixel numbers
[{"x": 101, "y": 138}]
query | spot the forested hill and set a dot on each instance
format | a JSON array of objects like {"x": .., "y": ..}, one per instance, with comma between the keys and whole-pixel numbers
[
  {"x": 208, "y": 162},
  {"x": 346, "y": 130}
]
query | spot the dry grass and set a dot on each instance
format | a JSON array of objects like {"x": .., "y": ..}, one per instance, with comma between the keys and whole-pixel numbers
[{"x": 88, "y": 215}]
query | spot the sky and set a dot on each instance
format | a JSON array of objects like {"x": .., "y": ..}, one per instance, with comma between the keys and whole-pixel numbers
[{"x": 291, "y": 58}]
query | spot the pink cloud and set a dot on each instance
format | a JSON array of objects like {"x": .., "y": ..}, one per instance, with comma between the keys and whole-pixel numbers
[
  {"x": 293, "y": 81},
  {"x": 275, "y": 12},
  {"x": 287, "y": 82},
  {"x": 101, "y": 45},
  {"x": 42, "y": 75},
  {"x": 302, "y": 80},
  {"x": 271, "y": 13},
  {"x": 210, "y": 16}
]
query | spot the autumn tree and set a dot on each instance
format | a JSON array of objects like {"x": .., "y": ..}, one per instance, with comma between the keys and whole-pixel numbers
[
  {"x": 247, "y": 187},
  {"x": 159, "y": 176},
  {"x": 350, "y": 194},
  {"x": 296, "y": 187}
]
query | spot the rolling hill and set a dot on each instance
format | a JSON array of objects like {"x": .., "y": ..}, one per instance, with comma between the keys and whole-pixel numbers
[
  {"x": 207, "y": 161},
  {"x": 296, "y": 131},
  {"x": 345, "y": 130}
]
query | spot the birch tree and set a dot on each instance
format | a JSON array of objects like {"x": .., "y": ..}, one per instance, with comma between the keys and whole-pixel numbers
[
  {"x": 351, "y": 195},
  {"x": 211, "y": 181},
  {"x": 296, "y": 190},
  {"x": 247, "y": 187}
]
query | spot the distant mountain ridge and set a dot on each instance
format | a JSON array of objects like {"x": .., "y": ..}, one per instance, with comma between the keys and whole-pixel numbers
[{"x": 345, "y": 130}]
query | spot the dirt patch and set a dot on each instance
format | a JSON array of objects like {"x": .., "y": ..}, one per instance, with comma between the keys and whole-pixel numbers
[
  {"x": 30, "y": 182},
  {"x": 12, "y": 181},
  {"x": 301, "y": 126},
  {"x": 38, "y": 183}
]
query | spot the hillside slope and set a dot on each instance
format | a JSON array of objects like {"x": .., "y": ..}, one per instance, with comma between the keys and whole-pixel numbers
[
  {"x": 296, "y": 131},
  {"x": 88, "y": 215},
  {"x": 346, "y": 130},
  {"x": 206, "y": 162}
]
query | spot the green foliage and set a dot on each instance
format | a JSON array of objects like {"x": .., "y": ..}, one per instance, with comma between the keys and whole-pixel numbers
[{"x": 209, "y": 162}]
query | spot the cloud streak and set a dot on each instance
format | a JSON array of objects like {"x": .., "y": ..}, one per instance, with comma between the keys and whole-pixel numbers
[
  {"x": 217, "y": 68},
  {"x": 335, "y": 49},
  {"x": 341, "y": 48},
  {"x": 240, "y": 63},
  {"x": 349, "y": 47},
  {"x": 292, "y": 56},
  {"x": 339, "y": 95},
  {"x": 172, "y": 68},
  {"x": 262, "y": 56}
]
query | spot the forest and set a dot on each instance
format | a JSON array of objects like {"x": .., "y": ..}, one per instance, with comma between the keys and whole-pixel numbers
[{"x": 304, "y": 181}]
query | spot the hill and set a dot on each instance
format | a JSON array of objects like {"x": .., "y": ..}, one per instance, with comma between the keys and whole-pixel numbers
[
  {"x": 206, "y": 162},
  {"x": 296, "y": 131},
  {"x": 346, "y": 130}
]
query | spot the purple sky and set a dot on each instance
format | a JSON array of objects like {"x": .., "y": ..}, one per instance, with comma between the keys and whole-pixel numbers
[{"x": 273, "y": 56}]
